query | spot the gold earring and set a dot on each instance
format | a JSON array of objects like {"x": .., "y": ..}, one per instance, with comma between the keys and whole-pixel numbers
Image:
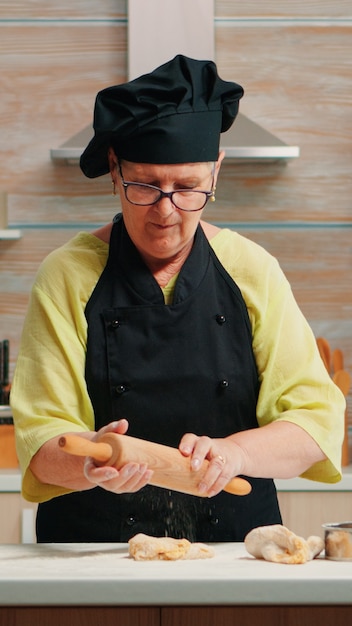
[
  {"x": 113, "y": 188},
  {"x": 212, "y": 197}
]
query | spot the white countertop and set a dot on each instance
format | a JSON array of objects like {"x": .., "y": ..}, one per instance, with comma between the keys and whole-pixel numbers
[
  {"x": 10, "y": 482},
  {"x": 103, "y": 574}
]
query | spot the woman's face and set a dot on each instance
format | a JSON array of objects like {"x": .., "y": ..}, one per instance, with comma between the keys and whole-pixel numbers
[{"x": 161, "y": 232}]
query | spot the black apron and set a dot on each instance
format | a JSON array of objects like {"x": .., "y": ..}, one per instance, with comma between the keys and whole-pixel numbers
[{"x": 186, "y": 367}]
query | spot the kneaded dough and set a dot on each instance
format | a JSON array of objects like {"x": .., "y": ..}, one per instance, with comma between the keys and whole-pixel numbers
[
  {"x": 279, "y": 544},
  {"x": 147, "y": 548}
]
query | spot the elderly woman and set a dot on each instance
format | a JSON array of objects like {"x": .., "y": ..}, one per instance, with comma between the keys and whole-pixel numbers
[{"x": 167, "y": 328}]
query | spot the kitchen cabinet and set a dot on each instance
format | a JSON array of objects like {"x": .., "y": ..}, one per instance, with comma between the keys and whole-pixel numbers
[
  {"x": 17, "y": 516},
  {"x": 306, "y": 505},
  {"x": 17, "y": 519},
  {"x": 305, "y": 512},
  {"x": 174, "y": 616}
]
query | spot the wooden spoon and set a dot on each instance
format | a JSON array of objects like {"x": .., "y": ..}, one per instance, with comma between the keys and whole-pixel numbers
[
  {"x": 342, "y": 379},
  {"x": 337, "y": 360},
  {"x": 325, "y": 353}
]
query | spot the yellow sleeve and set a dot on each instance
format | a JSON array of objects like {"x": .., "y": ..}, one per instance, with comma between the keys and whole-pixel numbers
[
  {"x": 294, "y": 384},
  {"x": 49, "y": 395}
]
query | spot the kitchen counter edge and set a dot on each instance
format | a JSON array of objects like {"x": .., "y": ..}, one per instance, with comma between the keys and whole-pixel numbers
[{"x": 10, "y": 482}]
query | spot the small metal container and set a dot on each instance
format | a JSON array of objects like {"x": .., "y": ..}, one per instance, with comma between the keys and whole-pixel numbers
[{"x": 338, "y": 541}]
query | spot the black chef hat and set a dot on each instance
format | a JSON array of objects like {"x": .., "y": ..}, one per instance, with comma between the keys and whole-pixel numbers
[{"x": 175, "y": 114}]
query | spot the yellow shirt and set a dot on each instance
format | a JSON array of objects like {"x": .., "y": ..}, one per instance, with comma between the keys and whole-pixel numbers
[{"x": 49, "y": 395}]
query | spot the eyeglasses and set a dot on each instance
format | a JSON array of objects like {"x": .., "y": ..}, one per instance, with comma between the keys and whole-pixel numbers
[{"x": 142, "y": 194}]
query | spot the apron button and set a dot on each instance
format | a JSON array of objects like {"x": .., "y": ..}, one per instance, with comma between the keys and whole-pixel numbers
[
  {"x": 131, "y": 521},
  {"x": 120, "y": 389},
  {"x": 114, "y": 323},
  {"x": 221, "y": 319},
  {"x": 223, "y": 384}
]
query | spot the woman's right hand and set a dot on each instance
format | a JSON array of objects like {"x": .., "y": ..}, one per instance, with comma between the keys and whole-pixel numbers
[{"x": 128, "y": 479}]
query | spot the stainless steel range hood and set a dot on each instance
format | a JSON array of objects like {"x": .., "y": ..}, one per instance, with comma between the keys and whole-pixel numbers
[
  {"x": 245, "y": 141},
  {"x": 248, "y": 141},
  {"x": 156, "y": 32}
]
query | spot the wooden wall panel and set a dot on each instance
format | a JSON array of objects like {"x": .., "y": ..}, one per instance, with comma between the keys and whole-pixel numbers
[
  {"x": 295, "y": 63},
  {"x": 67, "y": 209},
  {"x": 49, "y": 82},
  {"x": 314, "y": 114},
  {"x": 255, "y": 9},
  {"x": 66, "y": 9},
  {"x": 19, "y": 262},
  {"x": 315, "y": 262},
  {"x": 301, "y": 191},
  {"x": 109, "y": 9}
]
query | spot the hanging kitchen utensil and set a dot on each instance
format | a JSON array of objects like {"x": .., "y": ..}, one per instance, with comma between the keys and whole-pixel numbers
[
  {"x": 337, "y": 360},
  {"x": 325, "y": 353},
  {"x": 4, "y": 371},
  {"x": 342, "y": 379}
]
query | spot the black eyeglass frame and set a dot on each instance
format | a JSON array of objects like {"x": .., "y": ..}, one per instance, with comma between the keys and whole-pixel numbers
[{"x": 209, "y": 195}]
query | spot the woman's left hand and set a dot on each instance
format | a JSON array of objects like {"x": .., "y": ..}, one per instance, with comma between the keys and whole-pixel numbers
[{"x": 226, "y": 460}]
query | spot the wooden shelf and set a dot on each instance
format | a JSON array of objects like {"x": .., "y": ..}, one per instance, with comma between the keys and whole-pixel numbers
[{"x": 10, "y": 233}]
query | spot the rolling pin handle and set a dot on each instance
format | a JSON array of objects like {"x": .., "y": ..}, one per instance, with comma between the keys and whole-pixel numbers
[{"x": 79, "y": 446}]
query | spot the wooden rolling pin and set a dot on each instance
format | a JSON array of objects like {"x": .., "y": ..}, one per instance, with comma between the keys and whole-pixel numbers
[{"x": 171, "y": 469}]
